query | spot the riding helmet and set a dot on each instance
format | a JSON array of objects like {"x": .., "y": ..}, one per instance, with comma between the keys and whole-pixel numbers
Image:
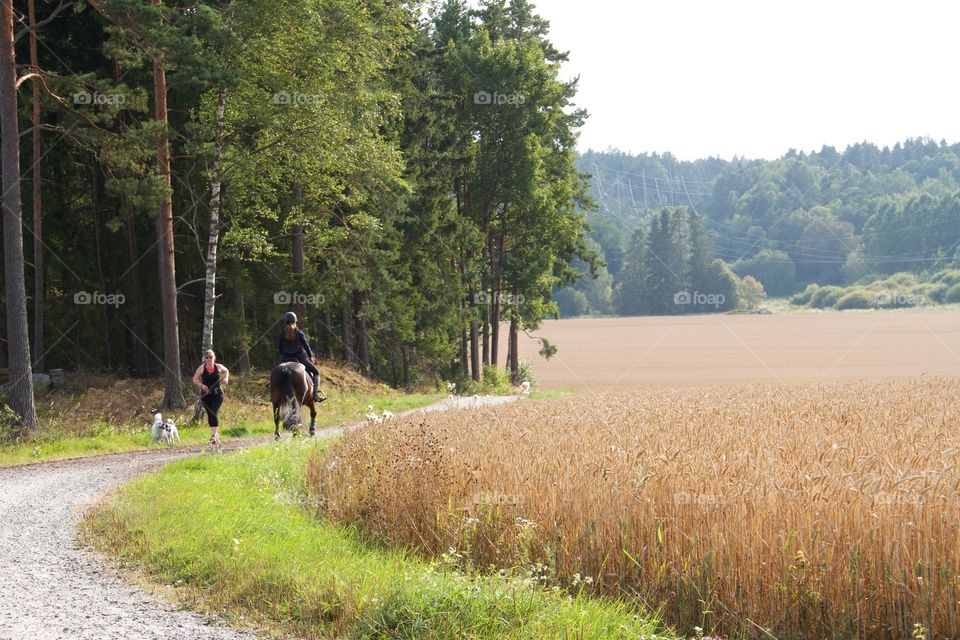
[{"x": 289, "y": 317}]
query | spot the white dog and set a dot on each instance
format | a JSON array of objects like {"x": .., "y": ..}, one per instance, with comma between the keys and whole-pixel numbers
[
  {"x": 157, "y": 429},
  {"x": 170, "y": 433},
  {"x": 522, "y": 389},
  {"x": 372, "y": 417}
]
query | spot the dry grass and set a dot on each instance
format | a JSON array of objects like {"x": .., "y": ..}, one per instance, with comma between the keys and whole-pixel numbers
[
  {"x": 94, "y": 404},
  {"x": 804, "y": 510}
]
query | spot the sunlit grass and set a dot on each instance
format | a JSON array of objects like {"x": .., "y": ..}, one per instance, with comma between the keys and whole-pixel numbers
[
  {"x": 340, "y": 407},
  {"x": 233, "y": 532}
]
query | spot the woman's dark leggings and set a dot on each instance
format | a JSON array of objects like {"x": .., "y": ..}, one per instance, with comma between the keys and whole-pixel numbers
[{"x": 211, "y": 402}]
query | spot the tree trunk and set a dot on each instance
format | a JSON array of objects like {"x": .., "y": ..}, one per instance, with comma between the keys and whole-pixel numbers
[
  {"x": 38, "y": 292},
  {"x": 96, "y": 190},
  {"x": 210, "y": 293},
  {"x": 173, "y": 392},
  {"x": 328, "y": 333},
  {"x": 495, "y": 326},
  {"x": 514, "y": 353},
  {"x": 475, "y": 352},
  {"x": 139, "y": 314},
  {"x": 298, "y": 257},
  {"x": 363, "y": 343},
  {"x": 346, "y": 335},
  {"x": 464, "y": 354},
  {"x": 406, "y": 367},
  {"x": 18, "y": 333},
  {"x": 485, "y": 334},
  {"x": 243, "y": 357},
  {"x": 497, "y": 295}
]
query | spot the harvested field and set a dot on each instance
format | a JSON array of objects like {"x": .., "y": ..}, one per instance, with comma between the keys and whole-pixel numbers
[
  {"x": 803, "y": 511},
  {"x": 604, "y": 352}
]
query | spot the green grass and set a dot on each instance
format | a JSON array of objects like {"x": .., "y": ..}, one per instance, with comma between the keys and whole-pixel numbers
[
  {"x": 549, "y": 394},
  {"x": 339, "y": 408},
  {"x": 233, "y": 533}
]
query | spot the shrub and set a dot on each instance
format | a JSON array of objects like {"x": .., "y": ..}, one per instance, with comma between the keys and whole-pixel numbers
[
  {"x": 751, "y": 293},
  {"x": 949, "y": 277},
  {"x": 825, "y": 297},
  {"x": 856, "y": 299},
  {"x": 804, "y": 296},
  {"x": 952, "y": 294},
  {"x": 902, "y": 279},
  {"x": 937, "y": 291}
]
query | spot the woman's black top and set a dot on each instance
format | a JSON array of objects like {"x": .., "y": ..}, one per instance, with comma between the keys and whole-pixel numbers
[
  {"x": 211, "y": 379},
  {"x": 293, "y": 347}
]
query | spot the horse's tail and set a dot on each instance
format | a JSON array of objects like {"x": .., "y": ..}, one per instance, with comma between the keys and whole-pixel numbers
[{"x": 288, "y": 406}]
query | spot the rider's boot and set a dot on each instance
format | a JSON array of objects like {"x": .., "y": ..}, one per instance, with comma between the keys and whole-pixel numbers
[{"x": 317, "y": 395}]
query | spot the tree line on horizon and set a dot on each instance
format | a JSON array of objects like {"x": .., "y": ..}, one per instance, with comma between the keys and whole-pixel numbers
[
  {"x": 827, "y": 218},
  {"x": 401, "y": 175}
]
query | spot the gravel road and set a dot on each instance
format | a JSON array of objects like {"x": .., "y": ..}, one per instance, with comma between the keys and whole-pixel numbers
[{"x": 51, "y": 588}]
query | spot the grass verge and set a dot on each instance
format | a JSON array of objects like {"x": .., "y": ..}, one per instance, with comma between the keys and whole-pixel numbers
[
  {"x": 234, "y": 533},
  {"x": 341, "y": 407}
]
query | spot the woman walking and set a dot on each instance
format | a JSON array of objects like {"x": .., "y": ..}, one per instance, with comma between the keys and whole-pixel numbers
[{"x": 210, "y": 377}]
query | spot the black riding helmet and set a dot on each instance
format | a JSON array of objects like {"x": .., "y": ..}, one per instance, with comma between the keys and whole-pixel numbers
[{"x": 289, "y": 317}]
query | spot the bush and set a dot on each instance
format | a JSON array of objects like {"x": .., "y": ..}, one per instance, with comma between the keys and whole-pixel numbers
[
  {"x": 952, "y": 294},
  {"x": 902, "y": 280},
  {"x": 938, "y": 291},
  {"x": 856, "y": 299},
  {"x": 804, "y": 296},
  {"x": 9, "y": 424},
  {"x": 949, "y": 277},
  {"x": 826, "y": 297},
  {"x": 751, "y": 293}
]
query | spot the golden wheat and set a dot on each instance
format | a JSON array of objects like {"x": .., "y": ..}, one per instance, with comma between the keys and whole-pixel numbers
[{"x": 802, "y": 511}]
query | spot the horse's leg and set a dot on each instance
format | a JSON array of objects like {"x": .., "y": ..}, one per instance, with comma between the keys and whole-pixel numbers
[
  {"x": 276, "y": 422},
  {"x": 313, "y": 416}
]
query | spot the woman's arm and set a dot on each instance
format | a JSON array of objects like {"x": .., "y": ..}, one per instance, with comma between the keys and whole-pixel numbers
[
  {"x": 306, "y": 345},
  {"x": 225, "y": 373},
  {"x": 196, "y": 377}
]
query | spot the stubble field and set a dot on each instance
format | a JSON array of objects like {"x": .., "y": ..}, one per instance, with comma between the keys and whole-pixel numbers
[{"x": 849, "y": 346}]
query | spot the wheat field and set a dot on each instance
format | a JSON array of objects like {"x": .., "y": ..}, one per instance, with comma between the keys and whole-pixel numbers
[{"x": 774, "y": 510}]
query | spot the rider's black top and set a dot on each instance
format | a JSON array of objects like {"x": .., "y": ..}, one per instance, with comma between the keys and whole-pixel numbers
[
  {"x": 293, "y": 347},
  {"x": 211, "y": 379}
]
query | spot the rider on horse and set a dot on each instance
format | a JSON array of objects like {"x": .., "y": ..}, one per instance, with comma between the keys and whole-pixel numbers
[{"x": 294, "y": 347}]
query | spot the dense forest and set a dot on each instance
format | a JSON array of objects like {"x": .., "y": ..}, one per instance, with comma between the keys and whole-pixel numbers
[
  {"x": 401, "y": 175},
  {"x": 829, "y": 217}
]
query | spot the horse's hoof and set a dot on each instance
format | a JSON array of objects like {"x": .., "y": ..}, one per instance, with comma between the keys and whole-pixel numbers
[
  {"x": 276, "y": 436},
  {"x": 312, "y": 432}
]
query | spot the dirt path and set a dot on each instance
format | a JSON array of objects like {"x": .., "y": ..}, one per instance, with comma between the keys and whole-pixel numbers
[{"x": 51, "y": 588}]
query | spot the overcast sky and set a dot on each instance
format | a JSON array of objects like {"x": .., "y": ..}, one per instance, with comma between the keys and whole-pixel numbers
[{"x": 755, "y": 78}]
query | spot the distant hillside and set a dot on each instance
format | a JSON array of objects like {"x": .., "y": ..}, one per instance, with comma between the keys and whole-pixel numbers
[{"x": 828, "y": 217}]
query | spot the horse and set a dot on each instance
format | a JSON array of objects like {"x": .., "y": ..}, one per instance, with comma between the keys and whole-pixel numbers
[{"x": 291, "y": 387}]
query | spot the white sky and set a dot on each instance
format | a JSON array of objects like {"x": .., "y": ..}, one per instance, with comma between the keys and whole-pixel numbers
[{"x": 752, "y": 78}]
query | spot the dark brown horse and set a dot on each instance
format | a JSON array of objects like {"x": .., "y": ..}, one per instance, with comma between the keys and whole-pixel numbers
[{"x": 290, "y": 388}]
